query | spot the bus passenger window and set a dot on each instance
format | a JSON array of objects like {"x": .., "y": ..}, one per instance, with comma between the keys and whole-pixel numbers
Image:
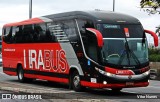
[
  {"x": 40, "y": 31},
  {"x": 50, "y": 33},
  {"x": 57, "y": 32},
  {"x": 83, "y": 24},
  {"x": 70, "y": 30},
  {"x": 18, "y": 35},
  {"x": 3, "y": 31},
  {"x": 8, "y": 35},
  {"x": 14, "y": 31},
  {"x": 28, "y": 33},
  {"x": 36, "y": 34}
]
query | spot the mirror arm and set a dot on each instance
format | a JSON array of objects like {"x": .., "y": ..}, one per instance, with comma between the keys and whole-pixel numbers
[
  {"x": 98, "y": 36},
  {"x": 154, "y": 36}
]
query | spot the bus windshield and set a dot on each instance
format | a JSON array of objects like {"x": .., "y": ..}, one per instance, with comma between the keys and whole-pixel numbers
[
  {"x": 121, "y": 50},
  {"x": 115, "y": 52}
]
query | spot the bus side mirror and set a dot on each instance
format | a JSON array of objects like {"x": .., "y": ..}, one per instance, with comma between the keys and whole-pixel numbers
[
  {"x": 98, "y": 35},
  {"x": 155, "y": 37}
]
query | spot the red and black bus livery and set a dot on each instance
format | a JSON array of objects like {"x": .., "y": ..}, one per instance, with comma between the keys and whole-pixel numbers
[{"x": 96, "y": 49}]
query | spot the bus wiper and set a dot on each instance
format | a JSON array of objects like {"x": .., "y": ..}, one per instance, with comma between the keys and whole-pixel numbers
[
  {"x": 129, "y": 54},
  {"x": 126, "y": 51},
  {"x": 121, "y": 57}
]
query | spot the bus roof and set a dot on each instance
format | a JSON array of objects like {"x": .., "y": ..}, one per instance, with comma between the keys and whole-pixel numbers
[
  {"x": 97, "y": 16},
  {"x": 25, "y": 22}
]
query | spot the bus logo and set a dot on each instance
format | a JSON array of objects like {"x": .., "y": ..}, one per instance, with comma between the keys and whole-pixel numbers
[{"x": 45, "y": 60}]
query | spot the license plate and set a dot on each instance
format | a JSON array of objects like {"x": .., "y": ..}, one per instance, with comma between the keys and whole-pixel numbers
[{"x": 129, "y": 83}]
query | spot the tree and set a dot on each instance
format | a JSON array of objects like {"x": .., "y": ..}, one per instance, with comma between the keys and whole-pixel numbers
[{"x": 151, "y": 6}]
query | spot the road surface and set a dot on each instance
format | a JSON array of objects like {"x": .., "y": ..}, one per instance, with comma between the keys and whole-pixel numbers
[{"x": 60, "y": 92}]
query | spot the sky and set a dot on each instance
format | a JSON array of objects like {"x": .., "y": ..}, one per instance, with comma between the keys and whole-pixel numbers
[{"x": 18, "y": 10}]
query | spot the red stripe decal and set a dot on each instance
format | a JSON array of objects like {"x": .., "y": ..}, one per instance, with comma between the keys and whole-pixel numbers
[
  {"x": 10, "y": 73},
  {"x": 119, "y": 72},
  {"x": 121, "y": 85},
  {"x": 61, "y": 80}
]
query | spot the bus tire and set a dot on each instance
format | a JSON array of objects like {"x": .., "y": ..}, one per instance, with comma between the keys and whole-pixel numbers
[
  {"x": 21, "y": 78},
  {"x": 116, "y": 89},
  {"x": 75, "y": 82}
]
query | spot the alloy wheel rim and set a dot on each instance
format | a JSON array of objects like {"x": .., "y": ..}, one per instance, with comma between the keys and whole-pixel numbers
[
  {"x": 76, "y": 81},
  {"x": 20, "y": 75}
]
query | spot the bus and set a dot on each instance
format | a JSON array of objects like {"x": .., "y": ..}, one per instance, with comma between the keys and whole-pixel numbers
[{"x": 94, "y": 49}]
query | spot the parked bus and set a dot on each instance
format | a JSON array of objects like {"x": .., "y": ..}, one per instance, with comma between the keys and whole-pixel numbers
[{"x": 96, "y": 49}]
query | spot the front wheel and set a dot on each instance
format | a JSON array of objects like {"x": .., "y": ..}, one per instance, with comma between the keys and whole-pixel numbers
[{"x": 75, "y": 80}]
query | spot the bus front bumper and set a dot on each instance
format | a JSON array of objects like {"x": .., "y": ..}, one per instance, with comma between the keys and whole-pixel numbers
[{"x": 117, "y": 85}]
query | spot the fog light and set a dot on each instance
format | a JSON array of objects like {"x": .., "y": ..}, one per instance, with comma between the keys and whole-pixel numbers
[
  {"x": 108, "y": 74},
  {"x": 104, "y": 82}
]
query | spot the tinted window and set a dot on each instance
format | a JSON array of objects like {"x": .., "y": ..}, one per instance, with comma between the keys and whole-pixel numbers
[
  {"x": 34, "y": 33},
  {"x": 89, "y": 39},
  {"x": 28, "y": 33},
  {"x": 39, "y": 32},
  {"x": 83, "y": 24},
  {"x": 120, "y": 31},
  {"x": 4, "y": 31},
  {"x": 57, "y": 29},
  {"x": 65, "y": 30},
  {"x": 18, "y": 38},
  {"x": 8, "y": 31},
  {"x": 8, "y": 35},
  {"x": 70, "y": 30},
  {"x": 43, "y": 33}
]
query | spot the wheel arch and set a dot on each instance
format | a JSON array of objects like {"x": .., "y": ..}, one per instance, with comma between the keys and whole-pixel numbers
[
  {"x": 75, "y": 68},
  {"x": 71, "y": 74},
  {"x": 71, "y": 71}
]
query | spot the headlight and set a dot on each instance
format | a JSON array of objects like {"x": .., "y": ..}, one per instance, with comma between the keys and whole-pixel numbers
[
  {"x": 109, "y": 74},
  {"x": 103, "y": 72},
  {"x": 147, "y": 72}
]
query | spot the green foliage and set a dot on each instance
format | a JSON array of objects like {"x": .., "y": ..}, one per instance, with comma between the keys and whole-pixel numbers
[
  {"x": 154, "y": 51},
  {"x": 151, "y": 5},
  {"x": 154, "y": 55},
  {"x": 154, "y": 58}
]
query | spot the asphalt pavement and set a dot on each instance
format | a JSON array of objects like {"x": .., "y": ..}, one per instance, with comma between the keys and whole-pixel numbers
[{"x": 60, "y": 92}]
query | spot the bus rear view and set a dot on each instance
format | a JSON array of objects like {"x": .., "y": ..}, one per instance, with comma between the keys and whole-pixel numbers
[{"x": 97, "y": 49}]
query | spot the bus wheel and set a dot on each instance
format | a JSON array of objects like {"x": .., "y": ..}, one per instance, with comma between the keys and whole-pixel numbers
[
  {"x": 116, "y": 89},
  {"x": 75, "y": 81},
  {"x": 21, "y": 77}
]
